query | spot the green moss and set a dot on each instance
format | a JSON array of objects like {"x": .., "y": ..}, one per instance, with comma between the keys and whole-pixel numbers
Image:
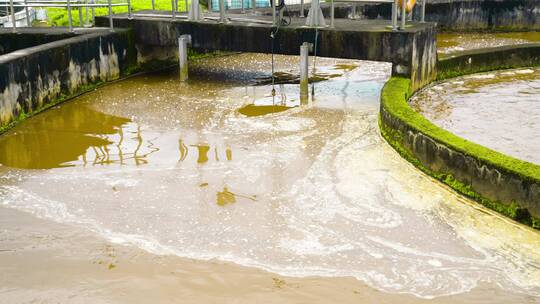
[{"x": 394, "y": 101}]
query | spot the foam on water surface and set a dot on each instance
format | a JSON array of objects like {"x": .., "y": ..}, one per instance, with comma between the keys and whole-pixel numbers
[{"x": 313, "y": 190}]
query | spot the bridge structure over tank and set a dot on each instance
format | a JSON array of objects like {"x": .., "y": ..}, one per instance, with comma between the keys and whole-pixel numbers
[{"x": 411, "y": 50}]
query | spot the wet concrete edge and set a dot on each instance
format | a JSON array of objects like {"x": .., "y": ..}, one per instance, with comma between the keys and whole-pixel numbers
[{"x": 498, "y": 181}]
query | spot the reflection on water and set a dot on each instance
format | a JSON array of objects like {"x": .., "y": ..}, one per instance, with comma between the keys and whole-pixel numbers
[
  {"x": 66, "y": 134},
  {"x": 448, "y": 43},
  {"x": 500, "y": 110},
  {"x": 313, "y": 190}
]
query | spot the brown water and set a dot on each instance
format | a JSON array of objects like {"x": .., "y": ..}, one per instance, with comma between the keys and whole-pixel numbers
[
  {"x": 499, "y": 110},
  {"x": 176, "y": 169},
  {"x": 448, "y": 43}
]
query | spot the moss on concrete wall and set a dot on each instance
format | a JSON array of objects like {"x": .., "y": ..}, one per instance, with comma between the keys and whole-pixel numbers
[
  {"x": 500, "y": 182},
  {"x": 36, "y": 78}
]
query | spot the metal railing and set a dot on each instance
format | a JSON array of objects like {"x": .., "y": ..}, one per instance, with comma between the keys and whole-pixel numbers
[
  {"x": 213, "y": 5},
  {"x": 395, "y": 9},
  {"x": 69, "y": 5}
]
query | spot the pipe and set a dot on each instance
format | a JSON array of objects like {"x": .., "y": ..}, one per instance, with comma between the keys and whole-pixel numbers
[
  {"x": 173, "y": 9},
  {"x": 304, "y": 70},
  {"x": 153, "y": 5},
  {"x": 183, "y": 42},
  {"x": 302, "y": 9},
  {"x": 129, "y": 9}
]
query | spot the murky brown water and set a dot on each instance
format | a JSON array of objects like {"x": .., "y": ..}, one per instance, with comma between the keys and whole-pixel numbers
[
  {"x": 448, "y": 43},
  {"x": 499, "y": 110},
  {"x": 175, "y": 168}
]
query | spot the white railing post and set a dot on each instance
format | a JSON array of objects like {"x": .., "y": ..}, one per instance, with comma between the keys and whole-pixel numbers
[
  {"x": 86, "y": 21},
  {"x": 129, "y": 9},
  {"x": 111, "y": 25},
  {"x": 70, "y": 19},
  {"x": 273, "y": 12},
  {"x": 27, "y": 14},
  {"x": 195, "y": 13},
  {"x": 403, "y": 14},
  {"x": 394, "y": 15},
  {"x": 423, "y": 12},
  {"x": 222, "y": 11},
  {"x": 13, "y": 22},
  {"x": 302, "y": 9},
  {"x": 332, "y": 14}
]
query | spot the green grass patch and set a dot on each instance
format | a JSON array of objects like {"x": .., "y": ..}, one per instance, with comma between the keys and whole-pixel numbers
[{"x": 59, "y": 16}]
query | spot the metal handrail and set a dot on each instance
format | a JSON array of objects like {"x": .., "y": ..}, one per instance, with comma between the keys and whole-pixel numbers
[{"x": 68, "y": 4}]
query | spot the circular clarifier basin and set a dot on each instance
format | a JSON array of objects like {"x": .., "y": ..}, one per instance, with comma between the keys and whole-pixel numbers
[
  {"x": 175, "y": 168},
  {"x": 499, "y": 110}
]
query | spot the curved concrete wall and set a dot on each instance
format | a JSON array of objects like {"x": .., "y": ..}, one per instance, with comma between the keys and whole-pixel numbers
[
  {"x": 500, "y": 182},
  {"x": 34, "y": 78}
]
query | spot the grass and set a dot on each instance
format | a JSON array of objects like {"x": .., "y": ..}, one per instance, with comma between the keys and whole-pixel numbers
[
  {"x": 394, "y": 101},
  {"x": 59, "y": 16}
]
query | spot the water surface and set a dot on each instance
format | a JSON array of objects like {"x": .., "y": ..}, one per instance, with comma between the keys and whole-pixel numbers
[
  {"x": 499, "y": 110},
  {"x": 176, "y": 168},
  {"x": 448, "y": 43}
]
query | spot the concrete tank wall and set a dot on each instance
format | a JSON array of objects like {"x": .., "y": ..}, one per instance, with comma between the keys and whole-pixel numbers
[{"x": 35, "y": 78}]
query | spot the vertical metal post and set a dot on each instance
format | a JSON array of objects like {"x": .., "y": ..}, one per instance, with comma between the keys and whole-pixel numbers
[
  {"x": 93, "y": 13},
  {"x": 153, "y": 5},
  {"x": 253, "y": 6},
  {"x": 183, "y": 41},
  {"x": 13, "y": 22},
  {"x": 111, "y": 25},
  {"x": 129, "y": 9},
  {"x": 243, "y": 8},
  {"x": 86, "y": 21},
  {"x": 353, "y": 12},
  {"x": 80, "y": 14},
  {"x": 70, "y": 19},
  {"x": 27, "y": 14},
  {"x": 173, "y": 10},
  {"x": 423, "y": 12},
  {"x": 302, "y": 9},
  {"x": 332, "y": 14},
  {"x": 304, "y": 71},
  {"x": 273, "y": 12},
  {"x": 394, "y": 15},
  {"x": 187, "y": 7},
  {"x": 403, "y": 14},
  {"x": 221, "y": 11}
]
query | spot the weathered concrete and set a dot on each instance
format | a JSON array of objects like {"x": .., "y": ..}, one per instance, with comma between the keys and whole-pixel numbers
[
  {"x": 412, "y": 52},
  {"x": 489, "y": 180},
  {"x": 35, "y": 77},
  {"x": 480, "y": 60},
  {"x": 506, "y": 184}
]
